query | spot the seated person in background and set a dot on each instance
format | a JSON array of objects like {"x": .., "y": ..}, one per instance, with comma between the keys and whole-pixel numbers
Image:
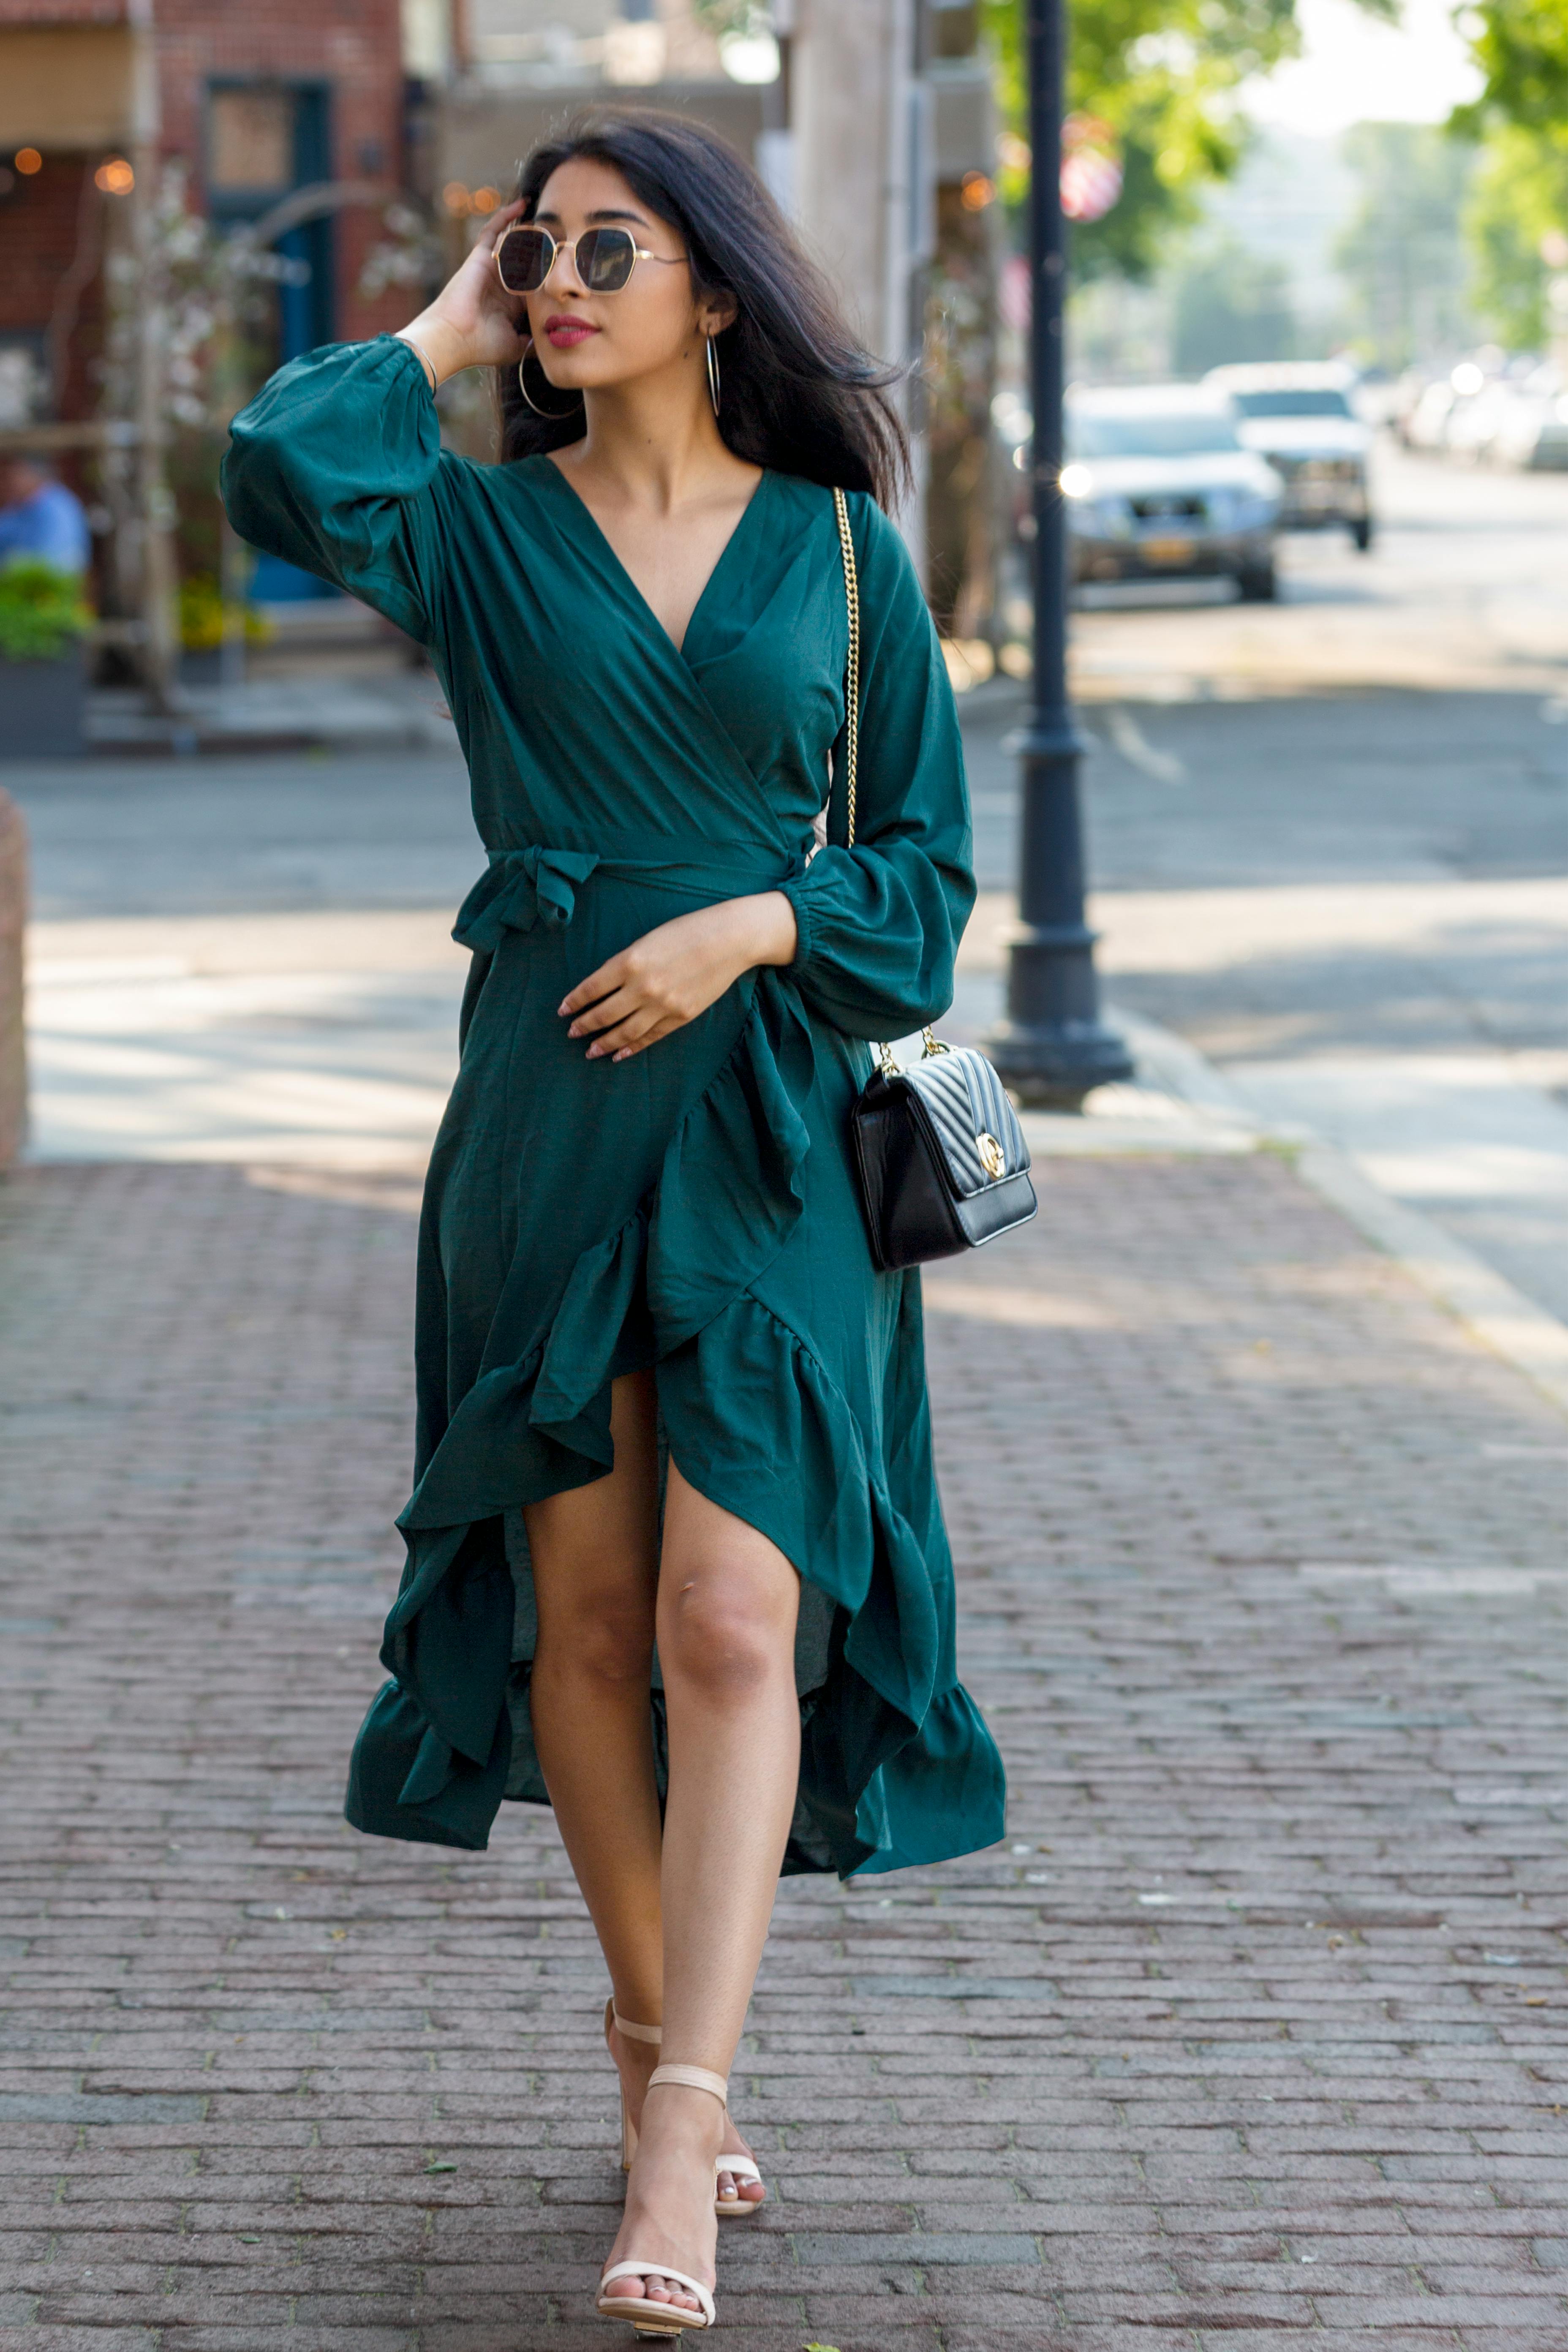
[{"x": 39, "y": 518}]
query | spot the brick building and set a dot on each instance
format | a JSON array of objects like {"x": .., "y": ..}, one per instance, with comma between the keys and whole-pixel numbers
[{"x": 260, "y": 100}]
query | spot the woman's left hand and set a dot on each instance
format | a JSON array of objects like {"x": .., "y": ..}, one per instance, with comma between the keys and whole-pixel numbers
[{"x": 671, "y": 975}]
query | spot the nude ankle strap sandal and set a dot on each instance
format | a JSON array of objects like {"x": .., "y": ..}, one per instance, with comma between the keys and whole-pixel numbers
[
  {"x": 655, "y": 2318},
  {"x": 664, "y": 2318},
  {"x": 739, "y": 2168}
]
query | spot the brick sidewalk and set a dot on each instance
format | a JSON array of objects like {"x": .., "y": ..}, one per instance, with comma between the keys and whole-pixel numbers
[{"x": 1255, "y": 2027}]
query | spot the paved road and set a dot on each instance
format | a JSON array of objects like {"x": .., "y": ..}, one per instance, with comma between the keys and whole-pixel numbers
[
  {"x": 1254, "y": 2025},
  {"x": 1330, "y": 846}
]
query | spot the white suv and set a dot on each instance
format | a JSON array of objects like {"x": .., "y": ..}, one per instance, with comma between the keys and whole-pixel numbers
[{"x": 1300, "y": 417}]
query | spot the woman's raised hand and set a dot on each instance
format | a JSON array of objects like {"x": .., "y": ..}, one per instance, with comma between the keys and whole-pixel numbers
[
  {"x": 473, "y": 321},
  {"x": 671, "y": 975}
]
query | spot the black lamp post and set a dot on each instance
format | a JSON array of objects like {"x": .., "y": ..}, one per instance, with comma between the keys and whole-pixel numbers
[{"x": 1052, "y": 1047}]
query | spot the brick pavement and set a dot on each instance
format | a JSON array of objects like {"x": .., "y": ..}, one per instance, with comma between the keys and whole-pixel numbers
[{"x": 1254, "y": 2026}]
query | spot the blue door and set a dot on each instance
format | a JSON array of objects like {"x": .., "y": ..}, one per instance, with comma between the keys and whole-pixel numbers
[{"x": 266, "y": 139}]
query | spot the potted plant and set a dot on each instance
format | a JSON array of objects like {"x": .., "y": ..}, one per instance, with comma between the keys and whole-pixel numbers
[{"x": 43, "y": 620}]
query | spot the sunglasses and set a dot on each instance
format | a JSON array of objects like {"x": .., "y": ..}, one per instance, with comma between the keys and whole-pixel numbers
[{"x": 606, "y": 259}]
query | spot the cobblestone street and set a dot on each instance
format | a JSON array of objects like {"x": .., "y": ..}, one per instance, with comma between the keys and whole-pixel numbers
[{"x": 1254, "y": 2026}]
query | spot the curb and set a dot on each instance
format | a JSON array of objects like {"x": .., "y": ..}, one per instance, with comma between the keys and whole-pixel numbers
[{"x": 1501, "y": 1317}]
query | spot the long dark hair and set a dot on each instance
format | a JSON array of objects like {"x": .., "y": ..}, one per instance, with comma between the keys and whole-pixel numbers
[{"x": 798, "y": 392}]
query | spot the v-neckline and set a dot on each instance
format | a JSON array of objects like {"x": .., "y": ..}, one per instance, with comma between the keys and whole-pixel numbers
[{"x": 601, "y": 536}]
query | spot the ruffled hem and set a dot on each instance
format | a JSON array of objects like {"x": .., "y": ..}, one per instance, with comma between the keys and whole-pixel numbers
[{"x": 896, "y": 1765}]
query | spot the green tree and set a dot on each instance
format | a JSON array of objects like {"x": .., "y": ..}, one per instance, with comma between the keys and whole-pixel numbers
[
  {"x": 1518, "y": 213},
  {"x": 1162, "y": 73},
  {"x": 1522, "y": 48},
  {"x": 1402, "y": 252},
  {"x": 1230, "y": 304}
]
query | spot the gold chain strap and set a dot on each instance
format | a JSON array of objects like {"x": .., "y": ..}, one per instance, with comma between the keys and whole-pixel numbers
[
  {"x": 852, "y": 722},
  {"x": 852, "y": 666}
]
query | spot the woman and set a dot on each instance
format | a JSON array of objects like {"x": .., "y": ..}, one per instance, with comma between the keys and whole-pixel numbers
[{"x": 675, "y": 1553}]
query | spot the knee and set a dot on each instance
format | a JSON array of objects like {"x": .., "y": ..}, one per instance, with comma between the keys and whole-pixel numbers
[
  {"x": 605, "y": 1649},
  {"x": 718, "y": 1651}
]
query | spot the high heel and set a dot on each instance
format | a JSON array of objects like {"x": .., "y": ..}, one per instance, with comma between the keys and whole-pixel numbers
[
  {"x": 739, "y": 2168},
  {"x": 653, "y": 2319}
]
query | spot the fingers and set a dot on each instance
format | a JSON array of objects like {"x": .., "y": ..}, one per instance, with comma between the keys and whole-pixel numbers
[
  {"x": 606, "y": 1013},
  {"x": 598, "y": 984},
  {"x": 496, "y": 227},
  {"x": 638, "y": 1029},
  {"x": 615, "y": 1007}
]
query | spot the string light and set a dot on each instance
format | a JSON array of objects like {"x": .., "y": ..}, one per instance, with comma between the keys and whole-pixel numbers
[
  {"x": 115, "y": 177},
  {"x": 28, "y": 161}
]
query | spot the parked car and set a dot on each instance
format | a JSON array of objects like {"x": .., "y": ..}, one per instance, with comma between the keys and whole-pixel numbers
[
  {"x": 1426, "y": 424},
  {"x": 1158, "y": 486},
  {"x": 1533, "y": 431},
  {"x": 1299, "y": 416}
]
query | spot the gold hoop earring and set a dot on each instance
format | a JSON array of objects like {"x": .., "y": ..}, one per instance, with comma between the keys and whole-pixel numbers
[
  {"x": 551, "y": 416},
  {"x": 712, "y": 375}
]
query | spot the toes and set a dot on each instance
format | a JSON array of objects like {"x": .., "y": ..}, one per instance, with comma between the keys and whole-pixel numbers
[
  {"x": 663, "y": 2290},
  {"x": 653, "y": 2287}
]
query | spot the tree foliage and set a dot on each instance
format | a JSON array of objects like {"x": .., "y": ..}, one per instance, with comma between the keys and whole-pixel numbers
[
  {"x": 1230, "y": 304},
  {"x": 1163, "y": 75},
  {"x": 1522, "y": 48},
  {"x": 1519, "y": 203},
  {"x": 1401, "y": 253},
  {"x": 1518, "y": 207}
]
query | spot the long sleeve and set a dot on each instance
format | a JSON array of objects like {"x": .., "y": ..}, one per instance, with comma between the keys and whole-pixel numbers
[
  {"x": 332, "y": 466},
  {"x": 879, "y": 925}
]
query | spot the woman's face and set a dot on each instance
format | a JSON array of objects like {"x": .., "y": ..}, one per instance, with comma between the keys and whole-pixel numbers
[{"x": 585, "y": 340}]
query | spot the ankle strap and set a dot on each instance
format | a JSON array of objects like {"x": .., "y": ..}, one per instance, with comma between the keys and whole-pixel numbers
[
  {"x": 692, "y": 2078},
  {"x": 654, "y": 2033}
]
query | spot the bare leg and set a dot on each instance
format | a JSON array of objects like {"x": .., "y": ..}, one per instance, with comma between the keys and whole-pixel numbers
[
  {"x": 728, "y": 1600},
  {"x": 595, "y": 1571},
  {"x": 596, "y": 1575}
]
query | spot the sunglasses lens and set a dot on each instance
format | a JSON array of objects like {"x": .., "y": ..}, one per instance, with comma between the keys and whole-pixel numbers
[
  {"x": 604, "y": 258},
  {"x": 522, "y": 259}
]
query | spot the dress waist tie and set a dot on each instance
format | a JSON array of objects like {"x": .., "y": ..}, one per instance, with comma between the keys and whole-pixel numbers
[{"x": 522, "y": 887}]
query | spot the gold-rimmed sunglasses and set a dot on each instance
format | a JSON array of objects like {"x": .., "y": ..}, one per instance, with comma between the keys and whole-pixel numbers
[{"x": 604, "y": 258}]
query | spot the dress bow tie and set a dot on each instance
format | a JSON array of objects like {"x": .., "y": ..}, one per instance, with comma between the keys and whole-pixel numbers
[{"x": 522, "y": 887}]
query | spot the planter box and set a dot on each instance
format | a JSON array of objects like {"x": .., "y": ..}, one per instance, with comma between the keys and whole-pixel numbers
[{"x": 42, "y": 705}]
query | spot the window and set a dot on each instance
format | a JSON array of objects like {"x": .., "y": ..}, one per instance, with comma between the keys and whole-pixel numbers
[
  {"x": 1291, "y": 403},
  {"x": 1148, "y": 432},
  {"x": 251, "y": 141}
]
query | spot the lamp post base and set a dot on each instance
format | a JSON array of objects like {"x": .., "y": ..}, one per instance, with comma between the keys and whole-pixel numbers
[
  {"x": 1053, "y": 1066},
  {"x": 1051, "y": 1047}
]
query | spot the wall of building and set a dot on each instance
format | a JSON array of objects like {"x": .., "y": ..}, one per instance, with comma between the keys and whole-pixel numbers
[
  {"x": 66, "y": 87},
  {"x": 51, "y": 235},
  {"x": 352, "y": 47}
]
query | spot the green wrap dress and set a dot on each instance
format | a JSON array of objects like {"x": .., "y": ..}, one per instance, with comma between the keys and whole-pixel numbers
[{"x": 693, "y": 1210}]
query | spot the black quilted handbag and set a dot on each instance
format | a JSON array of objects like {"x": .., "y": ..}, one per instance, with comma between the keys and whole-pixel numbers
[{"x": 942, "y": 1161}]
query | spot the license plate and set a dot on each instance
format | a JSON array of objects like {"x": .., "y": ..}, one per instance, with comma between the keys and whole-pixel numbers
[{"x": 1167, "y": 551}]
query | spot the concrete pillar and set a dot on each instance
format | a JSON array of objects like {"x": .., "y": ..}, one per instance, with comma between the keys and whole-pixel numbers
[
  {"x": 13, "y": 919},
  {"x": 862, "y": 175},
  {"x": 848, "y": 97}
]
